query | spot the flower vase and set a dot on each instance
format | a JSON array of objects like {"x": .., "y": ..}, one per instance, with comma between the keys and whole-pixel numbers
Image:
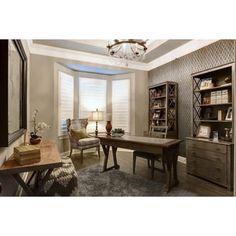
[
  {"x": 34, "y": 141},
  {"x": 108, "y": 127}
]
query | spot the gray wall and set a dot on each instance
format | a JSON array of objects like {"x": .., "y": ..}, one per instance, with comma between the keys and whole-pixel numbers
[
  {"x": 180, "y": 71},
  {"x": 43, "y": 94}
]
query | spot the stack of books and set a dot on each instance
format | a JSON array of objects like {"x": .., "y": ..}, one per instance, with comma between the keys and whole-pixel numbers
[
  {"x": 213, "y": 97},
  {"x": 220, "y": 97},
  {"x": 25, "y": 155},
  {"x": 225, "y": 96}
]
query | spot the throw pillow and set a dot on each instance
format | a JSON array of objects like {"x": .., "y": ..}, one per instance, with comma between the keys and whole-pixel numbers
[{"x": 79, "y": 134}]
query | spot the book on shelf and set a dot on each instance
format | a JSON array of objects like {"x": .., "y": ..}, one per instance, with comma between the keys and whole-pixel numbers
[
  {"x": 213, "y": 97},
  {"x": 218, "y": 97},
  {"x": 225, "y": 96}
]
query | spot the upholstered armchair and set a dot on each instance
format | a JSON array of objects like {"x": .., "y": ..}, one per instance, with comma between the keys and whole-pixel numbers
[{"x": 84, "y": 142}]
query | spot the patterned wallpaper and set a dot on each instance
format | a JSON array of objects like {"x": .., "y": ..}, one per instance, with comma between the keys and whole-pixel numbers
[{"x": 180, "y": 70}]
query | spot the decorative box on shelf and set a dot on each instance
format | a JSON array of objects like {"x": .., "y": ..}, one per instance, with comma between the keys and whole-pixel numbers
[{"x": 27, "y": 154}]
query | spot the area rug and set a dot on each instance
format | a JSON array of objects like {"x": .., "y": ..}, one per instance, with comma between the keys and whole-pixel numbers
[{"x": 91, "y": 182}]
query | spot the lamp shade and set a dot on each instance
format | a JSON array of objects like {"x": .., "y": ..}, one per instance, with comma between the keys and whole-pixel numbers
[{"x": 97, "y": 115}]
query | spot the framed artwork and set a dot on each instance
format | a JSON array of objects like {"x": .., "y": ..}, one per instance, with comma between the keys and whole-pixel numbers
[
  {"x": 204, "y": 131},
  {"x": 229, "y": 115},
  {"x": 13, "y": 91}
]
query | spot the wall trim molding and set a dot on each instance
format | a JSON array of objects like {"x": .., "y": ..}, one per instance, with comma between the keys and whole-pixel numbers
[
  {"x": 183, "y": 50},
  {"x": 82, "y": 56}
]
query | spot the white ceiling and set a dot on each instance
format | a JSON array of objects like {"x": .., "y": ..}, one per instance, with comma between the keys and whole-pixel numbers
[{"x": 95, "y": 51}]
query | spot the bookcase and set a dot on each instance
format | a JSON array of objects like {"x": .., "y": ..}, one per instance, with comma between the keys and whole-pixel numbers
[
  {"x": 210, "y": 149},
  {"x": 163, "y": 107}
]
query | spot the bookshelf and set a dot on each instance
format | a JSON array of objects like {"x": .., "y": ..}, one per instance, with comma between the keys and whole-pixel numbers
[
  {"x": 163, "y": 107},
  {"x": 213, "y": 102}
]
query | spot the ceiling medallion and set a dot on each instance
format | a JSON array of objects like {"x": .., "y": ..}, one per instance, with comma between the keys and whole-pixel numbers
[{"x": 127, "y": 49}]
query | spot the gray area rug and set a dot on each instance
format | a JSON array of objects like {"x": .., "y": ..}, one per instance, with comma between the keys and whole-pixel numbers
[{"x": 91, "y": 182}]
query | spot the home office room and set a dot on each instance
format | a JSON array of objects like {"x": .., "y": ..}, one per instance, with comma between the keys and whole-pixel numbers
[{"x": 92, "y": 117}]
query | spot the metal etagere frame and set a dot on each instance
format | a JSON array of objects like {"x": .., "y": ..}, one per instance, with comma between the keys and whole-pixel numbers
[{"x": 196, "y": 104}]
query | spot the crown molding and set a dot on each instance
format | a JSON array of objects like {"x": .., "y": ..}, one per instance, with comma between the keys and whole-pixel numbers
[
  {"x": 155, "y": 44},
  {"x": 183, "y": 50},
  {"x": 44, "y": 50}
]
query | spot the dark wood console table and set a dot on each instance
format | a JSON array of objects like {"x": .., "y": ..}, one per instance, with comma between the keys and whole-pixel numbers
[
  {"x": 168, "y": 147},
  {"x": 50, "y": 159}
]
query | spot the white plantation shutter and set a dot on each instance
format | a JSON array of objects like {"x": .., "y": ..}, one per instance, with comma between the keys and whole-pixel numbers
[
  {"x": 65, "y": 100},
  {"x": 92, "y": 95},
  {"x": 121, "y": 104}
]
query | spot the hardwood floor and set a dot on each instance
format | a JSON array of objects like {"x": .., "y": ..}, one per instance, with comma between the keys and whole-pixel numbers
[{"x": 125, "y": 160}]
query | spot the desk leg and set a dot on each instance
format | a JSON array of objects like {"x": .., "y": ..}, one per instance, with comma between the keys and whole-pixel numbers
[
  {"x": 171, "y": 158},
  {"x": 106, "y": 150},
  {"x": 114, "y": 149},
  {"x": 40, "y": 182},
  {"x": 175, "y": 161},
  {"x": 21, "y": 182},
  {"x": 168, "y": 163}
]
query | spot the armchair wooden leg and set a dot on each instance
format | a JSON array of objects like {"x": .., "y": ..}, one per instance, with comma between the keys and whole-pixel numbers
[
  {"x": 98, "y": 148},
  {"x": 81, "y": 156},
  {"x": 134, "y": 163}
]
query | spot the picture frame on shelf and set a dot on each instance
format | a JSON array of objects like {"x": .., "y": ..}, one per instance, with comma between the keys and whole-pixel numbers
[
  {"x": 204, "y": 131},
  {"x": 229, "y": 114}
]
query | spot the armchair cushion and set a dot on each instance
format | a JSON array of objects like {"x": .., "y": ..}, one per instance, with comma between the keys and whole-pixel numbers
[
  {"x": 79, "y": 134},
  {"x": 88, "y": 141}
]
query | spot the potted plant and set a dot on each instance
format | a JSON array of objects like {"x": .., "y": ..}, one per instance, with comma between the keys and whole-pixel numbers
[
  {"x": 37, "y": 127},
  {"x": 118, "y": 132}
]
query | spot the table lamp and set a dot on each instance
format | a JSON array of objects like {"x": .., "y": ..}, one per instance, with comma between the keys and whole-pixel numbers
[{"x": 97, "y": 116}]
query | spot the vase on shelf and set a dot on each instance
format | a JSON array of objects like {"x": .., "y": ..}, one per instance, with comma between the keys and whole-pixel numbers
[{"x": 108, "y": 127}]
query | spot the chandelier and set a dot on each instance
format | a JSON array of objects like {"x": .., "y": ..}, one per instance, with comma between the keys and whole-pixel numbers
[{"x": 127, "y": 49}]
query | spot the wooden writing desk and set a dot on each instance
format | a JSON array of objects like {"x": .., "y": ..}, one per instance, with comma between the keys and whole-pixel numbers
[
  {"x": 50, "y": 159},
  {"x": 169, "y": 148}
]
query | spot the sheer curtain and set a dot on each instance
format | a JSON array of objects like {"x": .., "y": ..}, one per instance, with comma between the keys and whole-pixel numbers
[
  {"x": 65, "y": 101},
  {"x": 92, "y": 95},
  {"x": 121, "y": 104}
]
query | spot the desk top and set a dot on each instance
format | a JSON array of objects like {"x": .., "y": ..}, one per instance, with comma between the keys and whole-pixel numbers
[
  {"x": 50, "y": 158},
  {"x": 149, "y": 141}
]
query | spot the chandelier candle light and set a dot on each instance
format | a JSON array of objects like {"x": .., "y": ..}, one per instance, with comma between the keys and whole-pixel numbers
[
  {"x": 97, "y": 116},
  {"x": 127, "y": 49}
]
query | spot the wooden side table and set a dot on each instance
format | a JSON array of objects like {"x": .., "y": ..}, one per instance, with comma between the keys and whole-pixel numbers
[{"x": 50, "y": 159}]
